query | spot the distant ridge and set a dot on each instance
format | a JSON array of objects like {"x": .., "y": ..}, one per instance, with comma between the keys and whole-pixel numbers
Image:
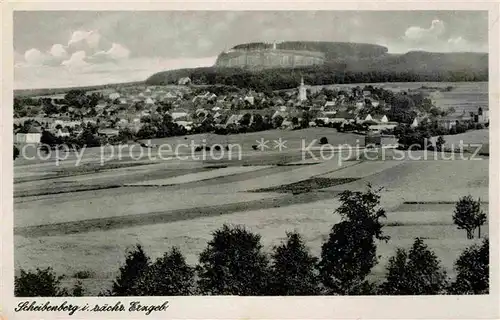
[
  {"x": 338, "y": 63},
  {"x": 54, "y": 91}
]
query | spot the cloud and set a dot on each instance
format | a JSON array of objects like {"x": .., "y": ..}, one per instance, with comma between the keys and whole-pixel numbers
[
  {"x": 77, "y": 60},
  {"x": 58, "y": 50},
  {"x": 436, "y": 38},
  {"x": 116, "y": 52},
  {"x": 133, "y": 69},
  {"x": 91, "y": 38},
  {"x": 460, "y": 44},
  {"x": 53, "y": 57},
  {"x": 82, "y": 48},
  {"x": 34, "y": 57},
  {"x": 418, "y": 34}
]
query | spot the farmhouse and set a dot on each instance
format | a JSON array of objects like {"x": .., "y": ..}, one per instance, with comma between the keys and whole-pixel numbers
[
  {"x": 31, "y": 134},
  {"x": 380, "y": 140},
  {"x": 114, "y": 96},
  {"x": 64, "y": 132},
  {"x": 108, "y": 132},
  {"x": 379, "y": 122},
  {"x": 342, "y": 117}
]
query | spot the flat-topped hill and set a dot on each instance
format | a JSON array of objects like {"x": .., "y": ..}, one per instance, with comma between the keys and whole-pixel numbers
[
  {"x": 291, "y": 54},
  {"x": 281, "y": 72}
]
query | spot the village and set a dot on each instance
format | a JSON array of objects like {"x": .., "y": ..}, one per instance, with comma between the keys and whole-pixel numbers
[{"x": 144, "y": 112}]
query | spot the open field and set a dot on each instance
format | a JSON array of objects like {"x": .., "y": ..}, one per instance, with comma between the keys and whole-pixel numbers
[
  {"x": 313, "y": 220},
  {"x": 464, "y": 96},
  {"x": 179, "y": 203},
  {"x": 471, "y": 140}
]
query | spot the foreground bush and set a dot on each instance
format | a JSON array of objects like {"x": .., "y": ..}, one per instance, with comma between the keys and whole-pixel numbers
[
  {"x": 42, "y": 283},
  {"x": 293, "y": 271},
  {"x": 349, "y": 254},
  {"x": 417, "y": 272},
  {"x": 136, "y": 263},
  {"x": 472, "y": 271},
  {"x": 233, "y": 264},
  {"x": 169, "y": 275},
  {"x": 16, "y": 152}
]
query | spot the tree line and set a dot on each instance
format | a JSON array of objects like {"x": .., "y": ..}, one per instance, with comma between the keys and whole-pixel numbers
[
  {"x": 234, "y": 263},
  {"x": 286, "y": 78}
]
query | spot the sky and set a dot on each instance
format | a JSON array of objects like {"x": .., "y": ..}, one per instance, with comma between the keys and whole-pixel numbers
[{"x": 77, "y": 48}]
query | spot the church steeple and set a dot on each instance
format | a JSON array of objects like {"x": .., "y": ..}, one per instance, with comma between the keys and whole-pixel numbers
[{"x": 302, "y": 90}]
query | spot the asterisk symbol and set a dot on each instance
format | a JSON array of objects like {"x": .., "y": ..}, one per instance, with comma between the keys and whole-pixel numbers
[
  {"x": 280, "y": 144},
  {"x": 262, "y": 144}
]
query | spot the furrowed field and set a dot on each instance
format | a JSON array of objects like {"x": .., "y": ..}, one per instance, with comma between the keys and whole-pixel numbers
[{"x": 84, "y": 218}]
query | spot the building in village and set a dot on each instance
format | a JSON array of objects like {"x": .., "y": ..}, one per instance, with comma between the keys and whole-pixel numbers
[
  {"x": 302, "y": 90},
  {"x": 30, "y": 134}
]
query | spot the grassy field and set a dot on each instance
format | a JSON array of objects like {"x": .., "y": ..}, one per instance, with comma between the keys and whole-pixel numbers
[
  {"x": 78, "y": 231},
  {"x": 87, "y": 251}
]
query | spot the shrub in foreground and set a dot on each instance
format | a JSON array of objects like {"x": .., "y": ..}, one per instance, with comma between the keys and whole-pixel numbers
[
  {"x": 349, "y": 254},
  {"x": 169, "y": 275},
  {"x": 416, "y": 272},
  {"x": 41, "y": 283},
  {"x": 16, "y": 152},
  {"x": 472, "y": 270},
  {"x": 233, "y": 264},
  {"x": 293, "y": 271},
  {"x": 136, "y": 263}
]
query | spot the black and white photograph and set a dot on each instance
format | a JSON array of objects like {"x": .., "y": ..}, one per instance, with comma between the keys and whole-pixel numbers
[{"x": 266, "y": 153}]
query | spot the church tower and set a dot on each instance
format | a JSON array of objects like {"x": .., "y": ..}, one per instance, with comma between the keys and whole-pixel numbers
[{"x": 302, "y": 90}]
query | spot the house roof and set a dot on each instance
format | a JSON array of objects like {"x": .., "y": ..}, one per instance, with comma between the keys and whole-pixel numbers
[
  {"x": 108, "y": 131},
  {"x": 30, "y": 129},
  {"x": 344, "y": 115}
]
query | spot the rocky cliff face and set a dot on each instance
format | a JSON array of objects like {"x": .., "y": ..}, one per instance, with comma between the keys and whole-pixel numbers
[{"x": 294, "y": 54}]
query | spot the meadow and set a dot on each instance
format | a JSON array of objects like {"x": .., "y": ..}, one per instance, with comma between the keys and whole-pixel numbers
[
  {"x": 419, "y": 198},
  {"x": 84, "y": 218}
]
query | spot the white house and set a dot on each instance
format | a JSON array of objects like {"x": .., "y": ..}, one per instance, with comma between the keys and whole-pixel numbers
[
  {"x": 286, "y": 124},
  {"x": 414, "y": 124},
  {"x": 32, "y": 135},
  {"x": 64, "y": 123},
  {"x": 330, "y": 104},
  {"x": 379, "y": 123},
  {"x": 62, "y": 133},
  {"x": 170, "y": 95},
  {"x": 234, "y": 119},
  {"x": 108, "y": 132},
  {"x": 179, "y": 114},
  {"x": 188, "y": 125},
  {"x": 114, "y": 95},
  {"x": 250, "y": 99}
]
